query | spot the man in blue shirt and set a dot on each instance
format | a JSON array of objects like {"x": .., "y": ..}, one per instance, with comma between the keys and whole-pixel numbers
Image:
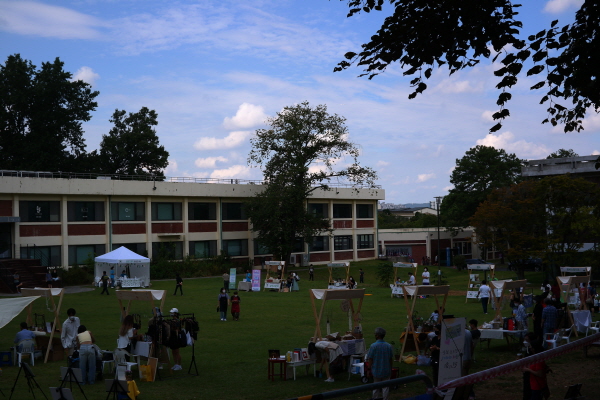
[
  {"x": 549, "y": 316},
  {"x": 381, "y": 358},
  {"x": 24, "y": 334}
]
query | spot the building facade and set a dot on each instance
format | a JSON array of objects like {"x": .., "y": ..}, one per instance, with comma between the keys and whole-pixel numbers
[{"x": 65, "y": 220}]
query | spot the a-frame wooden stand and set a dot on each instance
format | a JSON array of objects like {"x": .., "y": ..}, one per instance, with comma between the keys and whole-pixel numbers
[{"x": 326, "y": 295}]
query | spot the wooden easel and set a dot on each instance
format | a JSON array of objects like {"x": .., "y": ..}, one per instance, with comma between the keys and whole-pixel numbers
[
  {"x": 573, "y": 282},
  {"x": 415, "y": 292},
  {"x": 331, "y": 266},
  {"x": 277, "y": 267},
  {"x": 472, "y": 294},
  {"x": 506, "y": 285},
  {"x": 142, "y": 295},
  {"x": 325, "y": 295},
  {"x": 47, "y": 293}
]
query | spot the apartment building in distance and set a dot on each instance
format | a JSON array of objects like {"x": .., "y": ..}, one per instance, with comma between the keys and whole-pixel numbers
[{"x": 64, "y": 218}]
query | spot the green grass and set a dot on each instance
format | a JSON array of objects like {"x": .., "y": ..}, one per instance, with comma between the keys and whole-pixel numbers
[{"x": 232, "y": 356}]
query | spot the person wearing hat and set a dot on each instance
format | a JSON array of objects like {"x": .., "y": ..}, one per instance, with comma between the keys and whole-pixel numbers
[{"x": 174, "y": 339}]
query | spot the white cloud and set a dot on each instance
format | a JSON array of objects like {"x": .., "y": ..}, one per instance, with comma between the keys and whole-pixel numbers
[
  {"x": 558, "y": 6},
  {"x": 425, "y": 177},
  {"x": 32, "y": 18},
  {"x": 488, "y": 116},
  {"x": 448, "y": 188},
  {"x": 87, "y": 75},
  {"x": 522, "y": 148},
  {"x": 456, "y": 86},
  {"x": 592, "y": 121},
  {"x": 171, "y": 168},
  {"x": 247, "y": 116},
  {"x": 235, "y": 171},
  {"x": 234, "y": 139},
  {"x": 596, "y": 153},
  {"x": 209, "y": 162},
  {"x": 382, "y": 163}
]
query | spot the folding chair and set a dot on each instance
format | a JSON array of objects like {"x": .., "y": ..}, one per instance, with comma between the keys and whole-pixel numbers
[
  {"x": 24, "y": 348},
  {"x": 594, "y": 327},
  {"x": 566, "y": 334},
  {"x": 119, "y": 358},
  {"x": 552, "y": 339}
]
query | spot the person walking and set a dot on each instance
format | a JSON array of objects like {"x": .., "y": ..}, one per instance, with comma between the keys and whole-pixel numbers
[
  {"x": 178, "y": 284},
  {"x": 484, "y": 294},
  {"x": 311, "y": 273},
  {"x": 361, "y": 275},
  {"x": 104, "y": 279},
  {"x": 226, "y": 281},
  {"x": 235, "y": 306},
  {"x": 222, "y": 303},
  {"x": 381, "y": 357}
]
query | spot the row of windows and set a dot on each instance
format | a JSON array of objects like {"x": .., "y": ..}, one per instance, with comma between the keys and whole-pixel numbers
[
  {"x": 49, "y": 211},
  {"x": 82, "y": 254}
]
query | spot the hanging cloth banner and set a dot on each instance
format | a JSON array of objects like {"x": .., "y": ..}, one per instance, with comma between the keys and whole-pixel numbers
[
  {"x": 10, "y": 308},
  {"x": 256, "y": 280},
  {"x": 232, "y": 278}
]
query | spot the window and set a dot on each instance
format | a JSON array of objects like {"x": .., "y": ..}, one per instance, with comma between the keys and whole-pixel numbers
[
  {"x": 320, "y": 243},
  {"x": 203, "y": 248},
  {"x": 128, "y": 211},
  {"x": 85, "y": 211},
  {"x": 364, "y": 211},
  {"x": 138, "y": 248},
  {"x": 202, "y": 211},
  {"x": 342, "y": 242},
  {"x": 342, "y": 211},
  {"x": 83, "y": 254},
  {"x": 364, "y": 241},
  {"x": 49, "y": 256},
  {"x": 167, "y": 250},
  {"x": 166, "y": 211},
  {"x": 236, "y": 247},
  {"x": 39, "y": 211},
  {"x": 233, "y": 211},
  {"x": 318, "y": 209},
  {"x": 260, "y": 250}
]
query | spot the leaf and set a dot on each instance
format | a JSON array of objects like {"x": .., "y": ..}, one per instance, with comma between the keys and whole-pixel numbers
[
  {"x": 495, "y": 128},
  {"x": 428, "y": 73},
  {"x": 503, "y": 98},
  {"x": 538, "y": 85},
  {"x": 535, "y": 70},
  {"x": 539, "y": 55},
  {"x": 350, "y": 55},
  {"x": 553, "y": 24},
  {"x": 544, "y": 99}
]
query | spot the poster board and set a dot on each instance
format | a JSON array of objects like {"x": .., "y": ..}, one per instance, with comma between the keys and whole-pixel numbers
[
  {"x": 276, "y": 268},
  {"x": 474, "y": 273},
  {"x": 331, "y": 266},
  {"x": 575, "y": 270},
  {"x": 48, "y": 294},
  {"x": 326, "y": 295},
  {"x": 415, "y": 292},
  {"x": 140, "y": 295},
  {"x": 452, "y": 343}
]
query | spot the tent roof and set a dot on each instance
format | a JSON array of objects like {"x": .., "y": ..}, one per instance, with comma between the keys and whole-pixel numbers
[{"x": 121, "y": 255}]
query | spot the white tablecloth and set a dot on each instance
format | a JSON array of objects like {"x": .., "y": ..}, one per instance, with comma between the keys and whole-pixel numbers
[
  {"x": 582, "y": 319},
  {"x": 498, "y": 333},
  {"x": 350, "y": 347},
  {"x": 141, "y": 349},
  {"x": 244, "y": 286}
]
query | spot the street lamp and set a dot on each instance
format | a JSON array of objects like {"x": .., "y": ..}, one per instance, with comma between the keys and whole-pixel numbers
[{"x": 438, "y": 201}]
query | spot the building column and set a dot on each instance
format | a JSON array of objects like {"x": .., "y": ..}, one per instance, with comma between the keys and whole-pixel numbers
[
  {"x": 148, "y": 212},
  {"x": 64, "y": 227},
  {"x": 17, "y": 232}
]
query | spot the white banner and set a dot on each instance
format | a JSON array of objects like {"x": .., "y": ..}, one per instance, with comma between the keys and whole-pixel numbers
[
  {"x": 472, "y": 295},
  {"x": 232, "y": 278},
  {"x": 452, "y": 345},
  {"x": 256, "y": 280}
]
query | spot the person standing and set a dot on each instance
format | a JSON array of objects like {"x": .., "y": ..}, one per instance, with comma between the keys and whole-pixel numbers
[
  {"x": 175, "y": 339},
  {"x": 434, "y": 348},
  {"x": 222, "y": 303},
  {"x": 361, "y": 275},
  {"x": 104, "y": 279},
  {"x": 311, "y": 273},
  {"x": 425, "y": 276},
  {"x": 112, "y": 277},
  {"x": 484, "y": 294},
  {"x": 127, "y": 333},
  {"x": 235, "y": 306},
  {"x": 178, "y": 284},
  {"x": 226, "y": 281},
  {"x": 69, "y": 331},
  {"x": 537, "y": 380},
  {"x": 520, "y": 315},
  {"x": 87, "y": 355},
  {"x": 549, "y": 316},
  {"x": 381, "y": 357}
]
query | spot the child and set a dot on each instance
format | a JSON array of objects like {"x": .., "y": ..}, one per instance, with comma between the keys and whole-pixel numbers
[
  {"x": 235, "y": 306},
  {"x": 131, "y": 386}
]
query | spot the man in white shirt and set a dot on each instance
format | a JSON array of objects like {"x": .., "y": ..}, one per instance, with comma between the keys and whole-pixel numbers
[
  {"x": 411, "y": 279},
  {"x": 69, "y": 331},
  {"x": 484, "y": 294}
]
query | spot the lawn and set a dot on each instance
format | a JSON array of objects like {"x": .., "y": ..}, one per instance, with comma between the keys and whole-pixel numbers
[{"x": 232, "y": 356}]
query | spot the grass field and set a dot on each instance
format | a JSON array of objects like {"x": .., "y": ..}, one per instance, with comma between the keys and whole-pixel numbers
[{"x": 232, "y": 356}]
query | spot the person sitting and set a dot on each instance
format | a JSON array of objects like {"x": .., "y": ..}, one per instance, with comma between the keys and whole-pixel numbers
[
  {"x": 351, "y": 283},
  {"x": 411, "y": 279},
  {"x": 24, "y": 334}
]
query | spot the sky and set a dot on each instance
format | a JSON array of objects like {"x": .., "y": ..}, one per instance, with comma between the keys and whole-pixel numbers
[{"x": 215, "y": 71}]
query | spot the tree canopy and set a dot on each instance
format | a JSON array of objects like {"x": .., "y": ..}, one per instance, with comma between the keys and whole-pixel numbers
[
  {"x": 562, "y": 153},
  {"x": 131, "y": 146},
  {"x": 298, "y": 155},
  {"x": 477, "y": 173},
  {"x": 469, "y": 31},
  {"x": 41, "y": 112}
]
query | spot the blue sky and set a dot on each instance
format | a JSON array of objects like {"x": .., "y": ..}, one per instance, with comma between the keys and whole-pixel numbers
[{"x": 215, "y": 70}]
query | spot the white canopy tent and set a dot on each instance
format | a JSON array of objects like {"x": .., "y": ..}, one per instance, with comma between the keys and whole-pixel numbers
[{"x": 124, "y": 259}]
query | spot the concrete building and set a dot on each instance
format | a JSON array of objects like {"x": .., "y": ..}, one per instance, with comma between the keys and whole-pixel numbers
[
  {"x": 584, "y": 167},
  {"x": 65, "y": 218}
]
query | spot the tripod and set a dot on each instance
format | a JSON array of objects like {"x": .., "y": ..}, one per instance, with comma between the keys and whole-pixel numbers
[
  {"x": 30, "y": 381},
  {"x": 191, "y": 327},
  {"x": 70, "y": 377}
]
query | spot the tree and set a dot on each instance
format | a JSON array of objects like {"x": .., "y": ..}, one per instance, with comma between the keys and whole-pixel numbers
[
  {"x": 481, "y": 170},
  {"x": 511, "y": 220},
  {"x": 465, "y": 33},
  {"x": 131, "y": 146},
  {"x": 298, "y": 156},
  {"x": 41, "y": 112},
  {"x": 562, "y": 153}
]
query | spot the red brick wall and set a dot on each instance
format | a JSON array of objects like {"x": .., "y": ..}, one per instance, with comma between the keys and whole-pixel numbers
[
  {"x": 86, "y": 229},
  {"x": 128, "y": 229},
  {"x": 365, "y": 254},
  {"x": 170, "y": 227},
  {"x": 365, "y": 223},
  {"x": 202, "y": 227},
  {"x": 319, "y": 257},
  {"x": 235, "y": 226},
  {"x": 343, "y": 255},
  {"x": 39, "y": 230},
  {"x": 345, "y": 224},
  {"x": 6, "y": 209}
]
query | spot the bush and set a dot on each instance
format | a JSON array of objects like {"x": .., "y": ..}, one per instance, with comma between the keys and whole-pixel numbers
[
  {"x": 385, "y": 274},
  {"x": 77, "y": 275},
  {"x": 164, "y": 268},
  {"x": 460, "y": 262}
]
